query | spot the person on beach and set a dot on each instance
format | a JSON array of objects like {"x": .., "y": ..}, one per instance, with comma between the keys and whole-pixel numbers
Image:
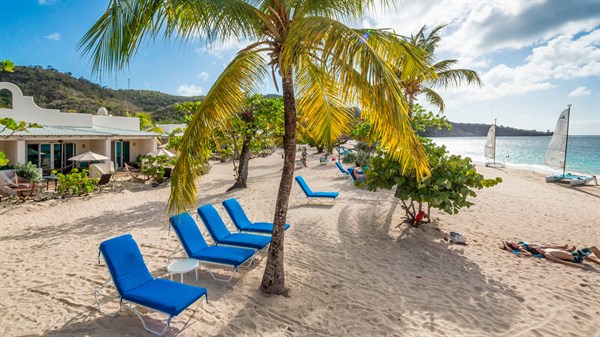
[
  {"x": 523, "y": 248},
  {"x": 304, "y": 155},
  {"x": 358, "y": 175},
  {"x": 574, "y": 258}
]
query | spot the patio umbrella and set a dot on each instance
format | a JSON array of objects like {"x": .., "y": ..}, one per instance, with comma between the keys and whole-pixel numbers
[
  {"x": 162, "y": 152},
  {"x": 88, "y": 156}
]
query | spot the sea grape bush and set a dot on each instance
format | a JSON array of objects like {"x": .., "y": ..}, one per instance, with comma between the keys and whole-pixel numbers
[
  {"x": 75, "y": 182},
  {"x": 452, "y": 182}
]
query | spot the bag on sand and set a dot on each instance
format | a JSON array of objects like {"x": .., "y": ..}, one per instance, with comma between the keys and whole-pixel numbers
[{"x": 457, "y": 237}]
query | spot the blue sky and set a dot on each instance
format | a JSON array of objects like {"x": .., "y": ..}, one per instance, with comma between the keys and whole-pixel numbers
[{"x": 534, "y": 57}]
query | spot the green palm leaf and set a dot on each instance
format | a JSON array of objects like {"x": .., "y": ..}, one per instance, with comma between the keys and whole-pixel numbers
[{"x": 243, "y": 75}]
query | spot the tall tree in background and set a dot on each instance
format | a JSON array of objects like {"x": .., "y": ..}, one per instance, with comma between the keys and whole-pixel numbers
[
  {"x": 440, "y": 74},
  {"x": 322, "y": 65}
]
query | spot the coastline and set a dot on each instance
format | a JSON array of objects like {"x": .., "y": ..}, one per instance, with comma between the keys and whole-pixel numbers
[{"x": 350, "y": 268}]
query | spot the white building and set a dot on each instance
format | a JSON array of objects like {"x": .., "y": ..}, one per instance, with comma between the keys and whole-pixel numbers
[{"x": 64, "y": 135}]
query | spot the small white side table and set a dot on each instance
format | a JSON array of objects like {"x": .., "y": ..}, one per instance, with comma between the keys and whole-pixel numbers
[{"x": 182, "y": 267}]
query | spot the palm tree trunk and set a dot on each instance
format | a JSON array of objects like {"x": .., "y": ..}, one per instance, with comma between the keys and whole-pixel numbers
[
  {"x": 273, "y": 281},
  {"x": 411, "y": 103},
  {"x": 242, "y": 173}
]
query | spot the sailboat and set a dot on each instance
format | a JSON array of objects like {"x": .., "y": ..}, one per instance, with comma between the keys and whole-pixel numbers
[
  {"x": 556, "y": 154},
  {"x": 490, "y": 148}
]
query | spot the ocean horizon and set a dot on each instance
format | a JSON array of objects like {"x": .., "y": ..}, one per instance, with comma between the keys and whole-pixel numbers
[{"x": 583, "y": 154}]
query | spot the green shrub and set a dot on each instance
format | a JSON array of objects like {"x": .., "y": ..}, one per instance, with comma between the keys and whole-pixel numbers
[
  {"x": 452, "y": 181},
  {"x": 154, "y": 167},
  {"x": 75, "y": 183},
  {"x": 29, "y": 172}
]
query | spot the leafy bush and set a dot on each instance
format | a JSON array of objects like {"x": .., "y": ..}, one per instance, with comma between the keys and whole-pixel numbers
[
  {"x": 29, "y": 172},
  {"x": 453, "y": 180},
  {"x": 154, "y": 167},
  {"x": 361, "y": 158},
  {"x": 75, "y": 182},
  {"x": 3, "y": 159}
]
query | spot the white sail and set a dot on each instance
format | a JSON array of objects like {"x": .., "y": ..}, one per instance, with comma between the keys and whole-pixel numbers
[
  {"x": 557, "y": 149},
  {"x": 490, "y": 144}
]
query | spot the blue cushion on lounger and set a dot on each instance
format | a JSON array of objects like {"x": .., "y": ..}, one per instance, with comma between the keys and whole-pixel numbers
[
  {"x": 221, "y": 235},
  {"x": 339, "y": 166},
  {"x": 310, "y": 194},
  {"x": 241, "y": 221},
  {"x": 166, "y": 296},
  {"x": 194, "y": 245},
  {"x": 135, "y": 283}
]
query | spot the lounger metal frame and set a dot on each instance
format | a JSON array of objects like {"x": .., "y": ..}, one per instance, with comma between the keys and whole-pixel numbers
[
  {"x": 126, "y": 304},
  {"x": 203, "y": 263}
]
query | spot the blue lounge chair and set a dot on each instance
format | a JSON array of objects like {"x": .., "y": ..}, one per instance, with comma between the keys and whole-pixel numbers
[
  {"x": 315, "y": 195},
  {"x": 196, "y": 248},
  {"x": 136, "y": 285},
  {"x": 222, "y": 236},
  {"x": 241, "y": 221},
  {"x": 342, "y": 170}
]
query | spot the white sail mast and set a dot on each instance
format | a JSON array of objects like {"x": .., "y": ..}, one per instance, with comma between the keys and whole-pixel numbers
[
  {"x": 490, "y": 144},
  {"x": 556, "y": 154}
]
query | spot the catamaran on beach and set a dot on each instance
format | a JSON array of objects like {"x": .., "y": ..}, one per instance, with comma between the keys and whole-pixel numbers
[{"x": 556, "y": 154}]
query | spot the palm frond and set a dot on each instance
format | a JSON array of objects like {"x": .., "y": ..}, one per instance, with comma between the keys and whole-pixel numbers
[
  {"x": 337, "y": 9},
  {"x": 361, "y": 61},
  {"x": 243, "y": 75},
  {"x": 115, "y": 38},
  {"x": 319, "y": 104},
  {"x": 434, "y": 98},
  {"x": 456, "y": 77}
]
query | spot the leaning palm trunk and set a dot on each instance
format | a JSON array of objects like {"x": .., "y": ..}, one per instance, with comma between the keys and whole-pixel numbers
[
  {"x": 273, "y": 281},
  {"x": 241, "y": 180}
]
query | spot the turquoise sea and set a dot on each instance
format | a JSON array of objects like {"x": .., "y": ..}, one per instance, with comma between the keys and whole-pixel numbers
[{"x": 583, "y": 154}]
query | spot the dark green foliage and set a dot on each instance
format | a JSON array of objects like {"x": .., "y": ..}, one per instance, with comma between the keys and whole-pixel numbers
[
  {"x": 54, "y": 90},
  {"x": 75, "y": 183},
  {"x": 453, "y": 180},
  {"x": 479, "y": 130},
  {"x": 154, "y": 167},
  {"x": 28, "y": 172}
]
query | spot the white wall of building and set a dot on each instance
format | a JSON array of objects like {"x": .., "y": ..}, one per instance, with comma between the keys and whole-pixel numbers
[{"x": 25, "y": 109}]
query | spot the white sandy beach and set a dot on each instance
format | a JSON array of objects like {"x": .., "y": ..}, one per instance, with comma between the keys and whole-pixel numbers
[{"x": 351, "y": 269}]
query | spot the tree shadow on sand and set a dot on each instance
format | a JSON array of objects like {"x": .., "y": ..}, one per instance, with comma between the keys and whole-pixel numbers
[{"x": 148, "y": 214}]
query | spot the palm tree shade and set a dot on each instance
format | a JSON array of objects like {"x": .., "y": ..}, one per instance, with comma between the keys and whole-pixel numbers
[{"x": 322, "y": 66}]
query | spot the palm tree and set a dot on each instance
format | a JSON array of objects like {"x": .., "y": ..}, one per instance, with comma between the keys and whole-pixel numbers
[
  {"x": 439, "y": 74},
  {"x": 322, "y": 65}
]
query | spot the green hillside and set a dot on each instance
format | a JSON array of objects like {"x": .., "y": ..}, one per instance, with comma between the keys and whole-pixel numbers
[
  {"x": 55, "y": 90},
  {"x": 52, "y": 89}
]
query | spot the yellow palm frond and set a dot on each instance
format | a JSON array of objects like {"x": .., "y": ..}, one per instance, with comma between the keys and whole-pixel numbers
[
  {"x": 362, "y": 63},
  {"x": 320, "y": 106},
  {"x": 243, "y": 75}
]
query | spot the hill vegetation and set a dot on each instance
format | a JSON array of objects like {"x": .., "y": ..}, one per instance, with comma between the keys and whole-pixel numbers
[
  {"x": 52, "y": 89},
  {"x": 480, "y": 130}
]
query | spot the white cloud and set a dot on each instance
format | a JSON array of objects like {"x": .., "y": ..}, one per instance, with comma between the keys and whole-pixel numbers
[
  {"x": 477, "y": 28},
  {"x": 562, "y": 58},
  {"x": 581, "y": 91},
  {"x": 189, "y": 90},
  {"x": 46, "y": 2},
  {"x": 203, "y": 76},
  {"x": 54, "y": 36},
  {"x": 219, "y": 48}
]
